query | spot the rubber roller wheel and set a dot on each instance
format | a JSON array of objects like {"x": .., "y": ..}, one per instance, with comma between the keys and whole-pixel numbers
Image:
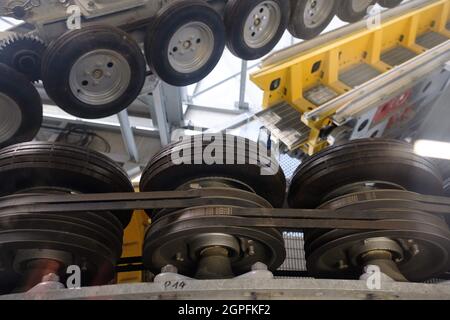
[
  {"x": 353, "y": 10},
  {"x": 255, "y": 27},
  {"x": 358, "y": 161},
  {"x": 163, "y": 174},
  {"x": 20, "y": 108},
  {"x": 94, "y": 72},
  {"x": 447, "y": 187},
  {"x": 185, "y": 42},
  {"x": 310, "y": 17},
  {"x": 36, "y": 165},
  {"x": 444, "y": 166},
  {"x": 389, "y": 3}
]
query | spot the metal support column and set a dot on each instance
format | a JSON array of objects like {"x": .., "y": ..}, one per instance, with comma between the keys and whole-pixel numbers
[
  {"x": 127, "y": 135},
  {"x": 157, "y": 107},
  {"x": 241, "y": 104}
]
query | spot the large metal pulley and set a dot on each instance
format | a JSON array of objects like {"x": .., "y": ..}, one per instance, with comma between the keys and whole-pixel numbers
[
  {"x": 364, "y": 175},
  {"x": 200, "y": 241},
  {"x": 34, "y": 245}
]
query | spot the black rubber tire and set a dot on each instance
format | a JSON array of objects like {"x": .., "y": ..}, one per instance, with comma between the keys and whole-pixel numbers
[
  {"x": 236, "y": 14},
  {"x": 162, "y": 174},
  {"x": 67, "y": 49},
  {"x": 389, "y": 3},
  {"x": 346, "y": 13},
  {"x": 362, "y": 160},
  {"x": 166, "y": 23},
  {"x": 444, "y": 167},
  {"x": 447, "y": 187},
  {"x": 42, "y": 164},
  {"x": 296, "y": 25},
  {"x": 17, "y": 87}
]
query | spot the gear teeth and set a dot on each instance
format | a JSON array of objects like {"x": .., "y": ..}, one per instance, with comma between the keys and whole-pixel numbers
[
  {"x": 17, "y": 41},
  {"x": 19, "y": 37}
]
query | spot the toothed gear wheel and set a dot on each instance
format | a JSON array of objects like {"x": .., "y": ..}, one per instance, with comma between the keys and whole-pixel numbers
[{"x": 24, "y": 54}]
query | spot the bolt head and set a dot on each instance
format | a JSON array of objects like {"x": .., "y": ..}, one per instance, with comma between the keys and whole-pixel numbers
[
  {"x": 169, "y": 269},
  {"x": 259, "y": 266},
  {"x": 51, "y": 277}
]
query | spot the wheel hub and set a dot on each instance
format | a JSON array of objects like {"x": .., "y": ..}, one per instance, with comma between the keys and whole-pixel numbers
[
  {"x": 316, "y": 12},
  {"x": 191, "y": 47},
  {"x": 26, "y": 60},
  {"x": 184, "y": 239},
  {"x": 262, "y": 24}
]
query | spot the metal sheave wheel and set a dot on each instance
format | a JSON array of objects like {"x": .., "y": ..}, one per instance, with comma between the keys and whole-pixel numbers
[
  {"x": 163, "y": 174},
  {"x": 198, "y": 242},
  {"x": 377, "y": 160},
  {"x": 34, "y": 245},
  {"x": 377, "y": 176}
]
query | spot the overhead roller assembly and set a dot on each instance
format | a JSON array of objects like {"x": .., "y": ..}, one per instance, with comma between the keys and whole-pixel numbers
[{"x": 89, "y": 54}]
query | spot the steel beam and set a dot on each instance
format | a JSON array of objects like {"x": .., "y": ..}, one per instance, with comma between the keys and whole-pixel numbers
[
  {"x": 250, "y": 288},
  {"x": 127, "y": 135},
  {"x": 241, "y": 104}
]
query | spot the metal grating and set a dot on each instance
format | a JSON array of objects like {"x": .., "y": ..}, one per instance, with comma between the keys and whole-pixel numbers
[
  {"x": 430, "y": 39},
  {"x": 289, "y": 165},
  {"x": 358, "y": 74},
  {"x": 285, "y": 124},
  {"x": 295, "y": 252},
  {"x": 320, "y": 95},
  {"x": 397, "y": 55}
]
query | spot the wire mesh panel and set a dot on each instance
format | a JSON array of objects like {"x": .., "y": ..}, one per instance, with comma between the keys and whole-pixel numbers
[{"x": 295, "y": 252}]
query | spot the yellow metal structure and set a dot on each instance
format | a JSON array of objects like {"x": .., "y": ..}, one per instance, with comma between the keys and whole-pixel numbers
[
  {"x": 132, "y": 245},
  {"x": 288, "y": 80}
]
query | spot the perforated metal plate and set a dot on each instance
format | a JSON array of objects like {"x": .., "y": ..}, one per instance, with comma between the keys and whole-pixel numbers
[
  {"x": 295, "y": 252},
  {"x": 320, "y": 95},
  {"x": 283, "y": 121},
  {"x": 358, "y": 74},
  {"x": 431, "y": 39},
  {"x": 397, "y": 55}
]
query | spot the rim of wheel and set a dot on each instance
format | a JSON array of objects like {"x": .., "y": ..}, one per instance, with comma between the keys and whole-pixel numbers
[
  {"x": 360, "y": 5},
  {"x": 100, "y": 77},
  {"x": 262, "y": 24},
  {"x": 316, "y": 12},
  {"x": 10, "y": 117},
  {"x": 191, "y": 47},
  {"x": 168, "y": 241}
]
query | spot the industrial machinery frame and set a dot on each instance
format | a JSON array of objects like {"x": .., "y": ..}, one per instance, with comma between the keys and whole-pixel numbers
[{"x": 363, "y": 79}]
